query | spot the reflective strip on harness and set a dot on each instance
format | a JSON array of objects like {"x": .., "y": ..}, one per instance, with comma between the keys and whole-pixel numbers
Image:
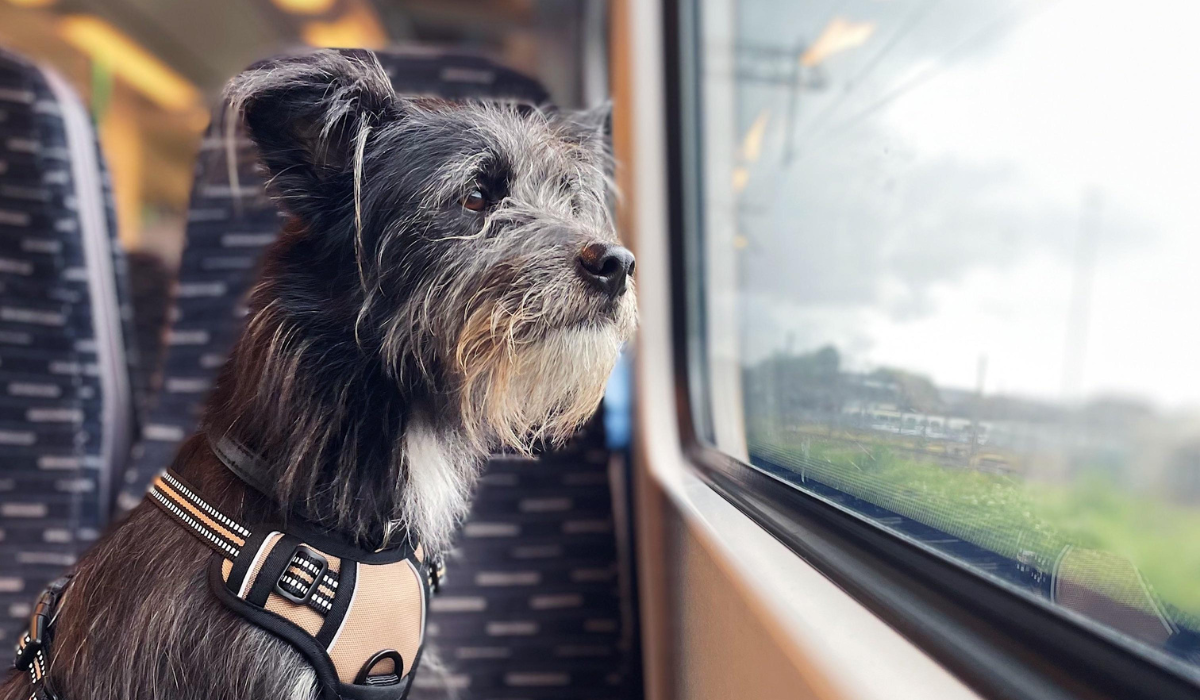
[{"x": 197, "y": 516}]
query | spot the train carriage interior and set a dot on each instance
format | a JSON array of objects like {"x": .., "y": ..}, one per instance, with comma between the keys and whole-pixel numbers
[{"x": 911, "y": 409}]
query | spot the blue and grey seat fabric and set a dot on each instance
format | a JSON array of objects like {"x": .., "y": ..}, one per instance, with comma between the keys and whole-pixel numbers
[
  {"x": 531, "y": 607},
  {"x": 66, "y": 401}
]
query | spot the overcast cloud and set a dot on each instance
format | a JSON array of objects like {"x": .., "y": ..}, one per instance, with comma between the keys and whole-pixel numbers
[{"x": 932, "y": 208}]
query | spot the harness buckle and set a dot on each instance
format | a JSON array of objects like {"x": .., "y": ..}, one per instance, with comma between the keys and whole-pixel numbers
[{"x": 309, "y": 561}]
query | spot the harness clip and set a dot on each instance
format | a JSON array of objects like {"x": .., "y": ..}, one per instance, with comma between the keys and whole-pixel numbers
[
  {"x": 309, "y": 561},
  {"x": 31, "y": 644},
  {"x": 37, "y": 638}
]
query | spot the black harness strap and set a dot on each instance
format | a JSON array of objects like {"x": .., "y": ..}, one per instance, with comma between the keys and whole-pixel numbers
[{"x": 240, "y": 460}]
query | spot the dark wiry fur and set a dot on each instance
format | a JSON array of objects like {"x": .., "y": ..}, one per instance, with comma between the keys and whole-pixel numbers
[{"x": 393, "y": 339}]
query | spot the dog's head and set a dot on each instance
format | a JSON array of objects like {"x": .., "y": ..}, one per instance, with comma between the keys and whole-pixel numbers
[{"x": 468, "y": 247}]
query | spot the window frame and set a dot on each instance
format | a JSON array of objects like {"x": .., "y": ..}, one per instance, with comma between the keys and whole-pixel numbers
[{"x": 1001, "y": 643}]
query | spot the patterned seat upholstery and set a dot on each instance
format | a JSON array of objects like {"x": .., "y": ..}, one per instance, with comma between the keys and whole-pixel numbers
[
  {"x": 66, "y": 402},
  {"x": 531, "y": 606}
]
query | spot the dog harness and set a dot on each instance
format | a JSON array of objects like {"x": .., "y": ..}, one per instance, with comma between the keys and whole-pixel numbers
[{"x": 357, "y": 616}]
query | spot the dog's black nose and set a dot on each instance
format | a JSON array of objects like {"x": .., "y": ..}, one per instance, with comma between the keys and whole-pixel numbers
[{"x": 607, "y": 265}]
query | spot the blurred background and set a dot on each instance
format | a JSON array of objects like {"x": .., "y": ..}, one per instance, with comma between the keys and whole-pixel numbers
[
  {"x": 934, "y": 255},
  {"x": 150, "y": 70}
]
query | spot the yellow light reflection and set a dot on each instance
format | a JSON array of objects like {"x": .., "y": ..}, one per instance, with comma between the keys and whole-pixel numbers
[
  {"x": 32, "y": 3},
  {"x": 741, "y": 177},
  {"x": 105, "y": 44},
  {"x": 359, "y": 27},
  {"x": 839, "y": 35},
  {"x": 305, "y": 7},
  {"x": 753, "y": 140}
]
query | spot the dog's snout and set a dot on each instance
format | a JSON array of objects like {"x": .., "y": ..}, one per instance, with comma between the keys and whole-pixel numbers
[{"x": 607, "y": 266}]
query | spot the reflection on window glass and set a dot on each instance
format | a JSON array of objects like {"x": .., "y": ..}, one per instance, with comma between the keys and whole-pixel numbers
[{"x": 952, "y": 264}]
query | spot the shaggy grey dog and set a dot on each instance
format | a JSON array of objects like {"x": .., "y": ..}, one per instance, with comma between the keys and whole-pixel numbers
[{"x": 448, "y": 282}]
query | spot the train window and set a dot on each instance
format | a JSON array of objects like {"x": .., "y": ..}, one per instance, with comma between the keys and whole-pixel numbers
[{"x": 945, "y": 265}]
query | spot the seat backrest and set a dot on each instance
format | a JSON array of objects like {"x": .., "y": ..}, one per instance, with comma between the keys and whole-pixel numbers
[{"x": 66, "y": 395}]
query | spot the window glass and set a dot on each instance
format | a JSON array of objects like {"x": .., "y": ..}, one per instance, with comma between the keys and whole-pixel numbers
[{"x": 950, "y": 255}]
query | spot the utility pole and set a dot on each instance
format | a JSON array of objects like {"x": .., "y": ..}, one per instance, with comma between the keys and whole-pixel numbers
[{"x": 1079, "y": 311}]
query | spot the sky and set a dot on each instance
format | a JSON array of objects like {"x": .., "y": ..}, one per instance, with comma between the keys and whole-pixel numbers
[{"x": 950, "y": 172}]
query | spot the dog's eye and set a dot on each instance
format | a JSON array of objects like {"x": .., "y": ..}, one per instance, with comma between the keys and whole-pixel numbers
[{"x": 475, "y": 201}]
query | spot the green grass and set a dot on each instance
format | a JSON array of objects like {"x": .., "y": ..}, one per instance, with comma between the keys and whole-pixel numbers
[{"x": 1032, "y": 522}]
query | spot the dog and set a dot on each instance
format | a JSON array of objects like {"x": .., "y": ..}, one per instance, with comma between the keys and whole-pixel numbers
[{"x": 448, "y": 282}]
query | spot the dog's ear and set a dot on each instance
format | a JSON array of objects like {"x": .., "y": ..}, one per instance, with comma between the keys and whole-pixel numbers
[
  {"x": 590, "y": 126},
  {"x": 597, "y": 120},
  {"x": 307, "y": 115},
  {"x": 590, "y": 129}
]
